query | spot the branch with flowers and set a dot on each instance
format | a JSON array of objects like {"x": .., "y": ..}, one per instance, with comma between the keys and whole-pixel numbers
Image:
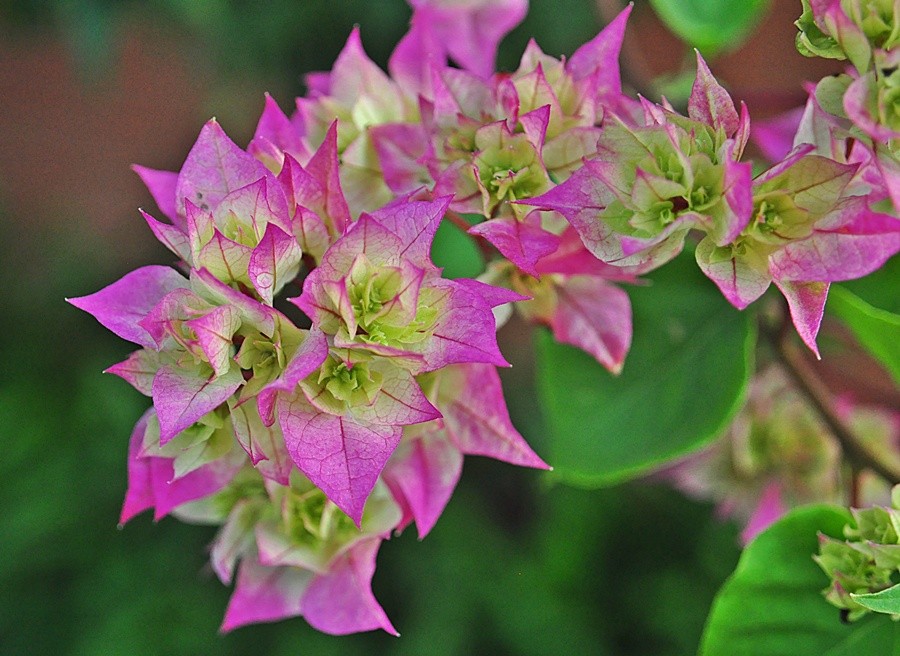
[{"x": 312, "y": 426}]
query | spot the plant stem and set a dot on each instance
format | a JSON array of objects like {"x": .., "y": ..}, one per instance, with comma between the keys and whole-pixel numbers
[{"x": 807, "y": 379}]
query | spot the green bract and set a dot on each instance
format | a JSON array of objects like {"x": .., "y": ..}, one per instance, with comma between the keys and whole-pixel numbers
[
  {"x": 508, "y": 165},
  {"x": 867, "y": 561}
]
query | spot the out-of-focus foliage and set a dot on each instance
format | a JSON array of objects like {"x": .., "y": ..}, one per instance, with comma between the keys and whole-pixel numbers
[
  {"x": 689, "y": 344},
  {"x": 876, "y": 329},
  {"x": 712, "y": 26},
  {"x": 288, "y": 38}
]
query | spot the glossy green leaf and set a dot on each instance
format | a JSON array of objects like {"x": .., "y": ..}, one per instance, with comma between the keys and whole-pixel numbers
[
  {"x": 683, "y": 380},
  {"x": 877, "y": 330},
  {"x": 773, "y": 605},
  {"x": 879, "y": 288},
  {"x": 711, "y": 25},
  {"x": 886, "y": 601}
]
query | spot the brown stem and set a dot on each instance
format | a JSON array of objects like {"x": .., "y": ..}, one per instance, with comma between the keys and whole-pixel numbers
[
  {"x": 807, "y": 379},
  {"x": 855, "y": 487}
]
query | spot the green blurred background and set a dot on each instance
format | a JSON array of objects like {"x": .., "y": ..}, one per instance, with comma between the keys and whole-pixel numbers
[{"x": 517, "y": 564}]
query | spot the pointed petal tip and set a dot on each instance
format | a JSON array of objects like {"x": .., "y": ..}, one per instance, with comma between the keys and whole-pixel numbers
[
  {"x": 812, "y": 346},
  {"x": 124, "y": 517}
]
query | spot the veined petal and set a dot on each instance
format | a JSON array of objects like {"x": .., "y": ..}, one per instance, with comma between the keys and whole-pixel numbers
[
  {"x": 573, "y": 258},
  {"x": 200, "y": 227},
  {"x": 399, "y": 402},
  {"x": 308, "y": 357},
  {"x": 738, "y": 203},
  {"x": 493, "y": 295},
  {"x": 669, "y": 240},
  {"x": 214, "y": 168},
  {"x": 341, "y": 456},
  {"x": 326, "y": 303},
  {"x": 177, "y": 305},
  {"x": 254, "y": 313},
  {"x": 806, "y": 301},
  {"x": 415, "y": 223},
  {"x": 355, "y": 75},
  {"x": 815, "y": 182},
  {"x": 265, "y": 594},
  {"x": 311, "y": 233},
  {"x": 424, "y": 475},
  {"x": 580, "y": 200},
  {"x": 161, "y": 185},
  {"x": 121, "y": 305},
  {"x": 341, "y": 601},
  {"x": 563, "y": 154},
  {"x": 275, "y": 127},
  {"x": 850, "y": 242},
  {"x": 459, "y": 92},
  {"x": 522, "y": 242},
  {"x": 138, "y": 370},
  {"x": 323, "y": 166},
  {"x": 595, "y": 316},
  {"x": 264, "y": 444},
  {"x": 249, "y": 209},
  {"x": 274, "y": 262},
  {"x": 227, "y": 260},
  {"x": 170, "y": 236},
  {"x": 470, "y": 397},
  {"x": 139, "y": 495},
  {"x": 738, "y": 280},
  {"x": 465, "y": 330},
  {"x": 182, "y": 397},
  {"x": 535, "y": 123},
  {"x": 710, "y": 103},
  {"x": 214, "y": 331},
  {"x": 599, "y": 57}
]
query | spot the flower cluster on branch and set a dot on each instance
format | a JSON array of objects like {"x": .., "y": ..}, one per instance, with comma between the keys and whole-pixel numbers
[{"x": 309, "y": 441}]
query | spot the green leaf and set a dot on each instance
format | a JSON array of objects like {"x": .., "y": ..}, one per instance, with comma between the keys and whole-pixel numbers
[
  {"x": 877, "y": 330},
  {"x": 456, "y": 252},
  {"x": 773, "y": 605},
  {"x": 830, "y": 93},
  {"x": 879, "y": 288},
  {"x": 683, "y": 381},
  {"x": 711, "y": 25},
  {"x": 886, "y": 601},
  {"x": 811, "y": 41}
]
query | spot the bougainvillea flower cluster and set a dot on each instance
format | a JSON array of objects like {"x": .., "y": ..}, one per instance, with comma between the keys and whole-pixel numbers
[
  {"x": 778, "y": 454},
  {"x": 316, "y": 381}
]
